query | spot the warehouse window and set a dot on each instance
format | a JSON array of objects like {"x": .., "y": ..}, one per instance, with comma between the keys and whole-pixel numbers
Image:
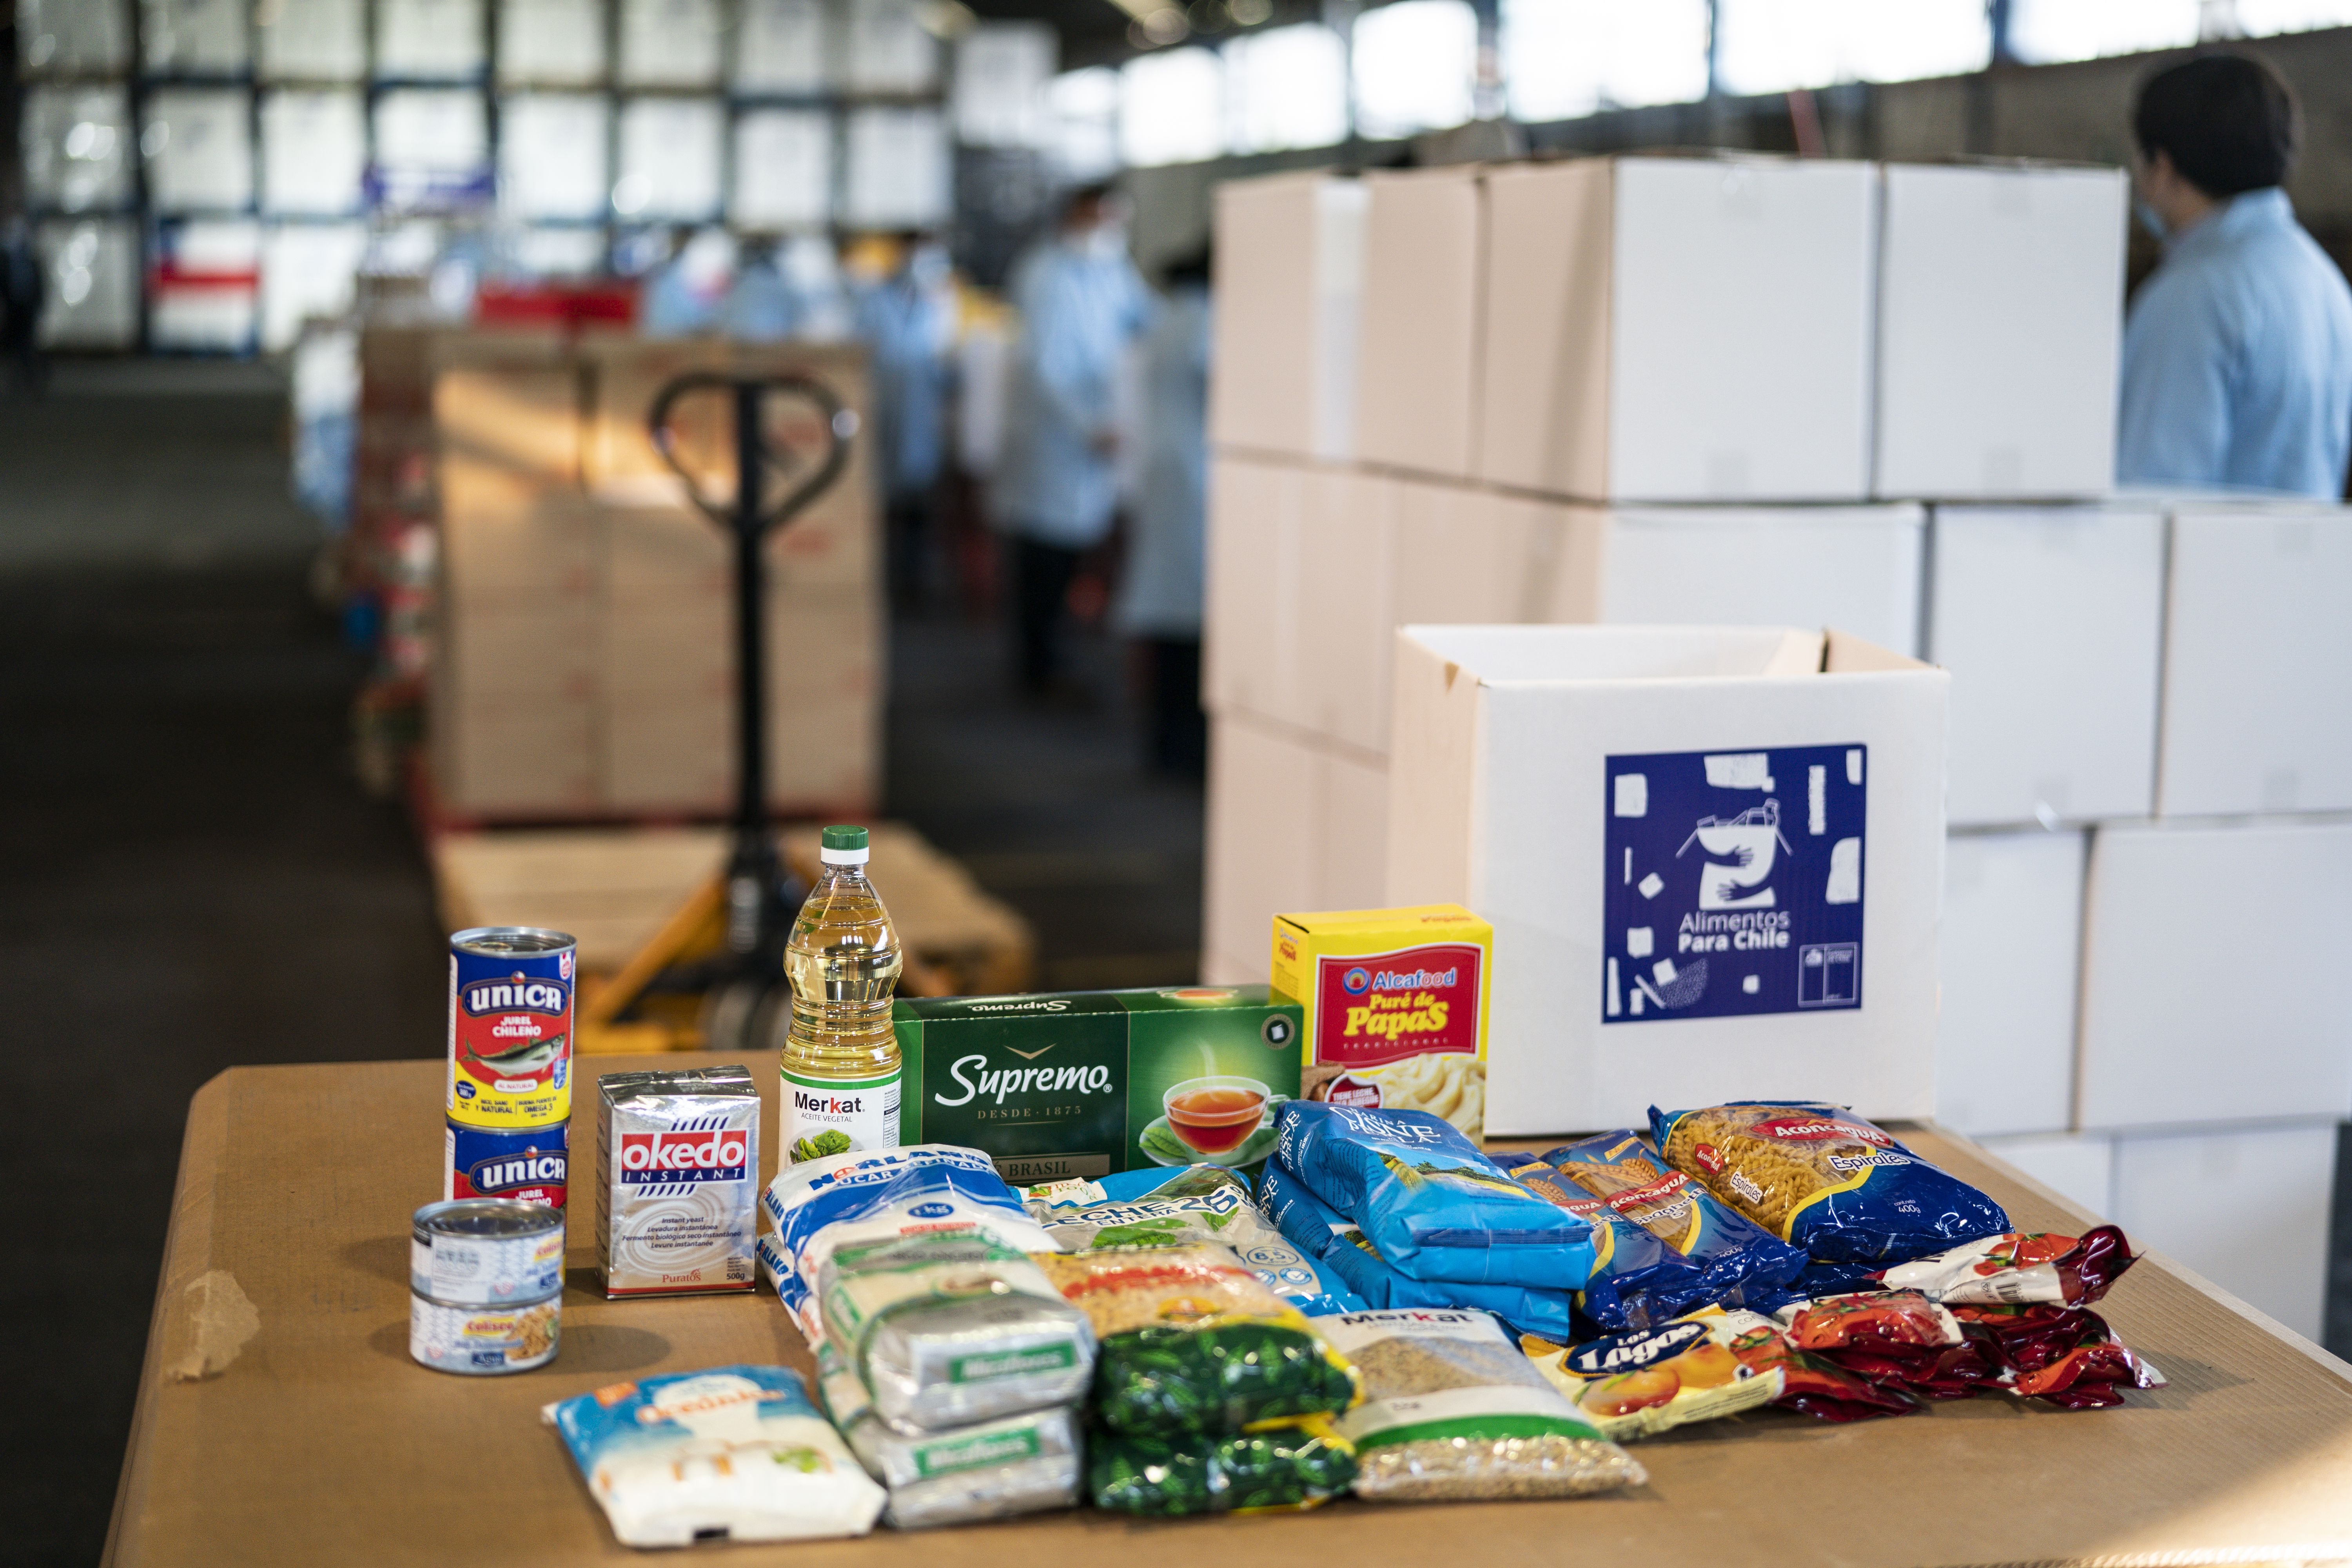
[
  {"x": 1415, "y": 64},
  {"x": 2042, "y": 32},
  {"x": 2260, "y": 18},
  {"x": 1563, "y": 59},
  {"x": 1171, "y": 107},
  {"x": 1773, "y": 45},
  {"x": 1287, "y": 87}
]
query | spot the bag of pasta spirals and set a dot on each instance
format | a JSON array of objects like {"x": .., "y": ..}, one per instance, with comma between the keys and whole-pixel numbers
[{"x": 1825, "y": 1180}]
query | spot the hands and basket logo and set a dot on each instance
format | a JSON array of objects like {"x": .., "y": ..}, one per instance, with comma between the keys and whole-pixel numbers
[{"x": 1721, "y": 898}]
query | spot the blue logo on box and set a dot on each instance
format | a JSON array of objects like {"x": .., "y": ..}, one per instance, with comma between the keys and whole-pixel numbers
[{"x": 1734, "y": 882}]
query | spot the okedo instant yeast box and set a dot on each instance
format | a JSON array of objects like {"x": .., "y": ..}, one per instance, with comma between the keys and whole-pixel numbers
[{"x": 1395, "y": 1006}]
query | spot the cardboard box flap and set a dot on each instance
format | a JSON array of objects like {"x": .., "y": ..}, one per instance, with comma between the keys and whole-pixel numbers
[
  {"x": 1504, "y": 655},
  {"x": 1846, "y": 654}
]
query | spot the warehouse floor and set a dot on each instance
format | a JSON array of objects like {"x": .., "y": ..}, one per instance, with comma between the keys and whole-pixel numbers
[{"x": 191, "y": 878}]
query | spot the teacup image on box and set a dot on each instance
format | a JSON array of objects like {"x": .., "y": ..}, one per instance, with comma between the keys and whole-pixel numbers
[{"x": 1080, "y": 1084}]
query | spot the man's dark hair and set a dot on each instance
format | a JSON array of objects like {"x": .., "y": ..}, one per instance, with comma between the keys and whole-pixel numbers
[
  {"x": 2226, "y": 120},
  {"x": 1086, "y": 196}
]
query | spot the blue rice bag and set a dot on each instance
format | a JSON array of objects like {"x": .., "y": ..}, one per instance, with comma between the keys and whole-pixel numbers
[
  {"x": 1825, "y": 1180},
  {"x": 1738, "y": 1264},
  {"x": 1321, "y": 1232},
  {"x": 1161, "y": 1207},
  {"x": 1435, "y": 1206},
  {"x": 1637, "y": 1279}
]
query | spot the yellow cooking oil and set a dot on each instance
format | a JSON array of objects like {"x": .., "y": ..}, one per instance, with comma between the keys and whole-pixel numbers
[{"x": 840, "y": 1062}]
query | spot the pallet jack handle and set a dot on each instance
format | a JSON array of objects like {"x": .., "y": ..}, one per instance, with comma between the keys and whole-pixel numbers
[{"x": 757, "y": 922}]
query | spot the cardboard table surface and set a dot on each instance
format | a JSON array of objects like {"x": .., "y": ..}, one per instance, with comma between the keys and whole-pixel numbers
[{"x": 323, "y": 1442}]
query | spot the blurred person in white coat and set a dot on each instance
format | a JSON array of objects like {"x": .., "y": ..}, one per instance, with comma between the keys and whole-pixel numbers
[
  {"x": 1159, "y": 597},
  {"x": 1056, "y": 486},
  {"x": 908, "y": 321}
]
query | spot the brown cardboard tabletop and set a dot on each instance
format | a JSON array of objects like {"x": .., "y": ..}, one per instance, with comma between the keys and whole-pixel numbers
[{"x": 323, "y": 1443}]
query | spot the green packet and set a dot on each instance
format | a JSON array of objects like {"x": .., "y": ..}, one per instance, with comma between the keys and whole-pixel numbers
[
  {"x": 1280, "y": 1468},
  {"x": 1082, "y": 1084}
]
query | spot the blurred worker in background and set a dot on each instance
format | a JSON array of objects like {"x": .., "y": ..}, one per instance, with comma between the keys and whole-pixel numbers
[
  {"x": 1159, "y": 597},
  {"x": 23, "y": 292},
  {"x": 908, "y": 321},
  {"x": 1055, "y": 487},
  {"x": 760, "y": 307},
  {"x": 2238, "y": 356},
  {"x": 681, "y": 297}
]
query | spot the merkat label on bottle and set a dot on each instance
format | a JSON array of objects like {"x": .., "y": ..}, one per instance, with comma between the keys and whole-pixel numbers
[{"x": 834, "y": 1115}]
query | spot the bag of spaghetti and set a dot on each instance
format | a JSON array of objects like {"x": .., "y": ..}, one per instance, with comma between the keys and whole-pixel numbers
[
  {"x": 1825, "y": 1180},
  {"x": 1191, "y": 1341},
  {"x": 1738, "y": 1264},
  {"x": 1452, "y": 1410},
  {"x": 1637, "y": 1280},
  {"x": 1339, "y": 1245}
]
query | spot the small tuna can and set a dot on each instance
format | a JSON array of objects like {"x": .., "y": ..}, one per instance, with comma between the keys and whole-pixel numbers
[
  {"x": 483, "y": 1341},
  {"x": 528, "y": 1165},
  {"x": 511, "y": 1026},
  {"x": 485, "y": 1252}
]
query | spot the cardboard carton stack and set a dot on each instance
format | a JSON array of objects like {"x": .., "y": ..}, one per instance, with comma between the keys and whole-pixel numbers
[
  {"x": 1742, "y": 391},
  {"x": 584, "y": 656}
]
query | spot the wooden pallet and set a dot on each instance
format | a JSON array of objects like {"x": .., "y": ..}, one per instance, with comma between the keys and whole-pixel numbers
[{"x": 639, "y": 897}]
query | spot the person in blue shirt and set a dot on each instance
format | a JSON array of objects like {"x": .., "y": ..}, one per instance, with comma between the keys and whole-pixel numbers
[
  {"x": 760, "y": 307},
  {"x": 1160, "y": 596},
  {"x": 908, "y": 321},
  {"x": 2237, "y": 367},
  {"x": 1056, "y": 486}
]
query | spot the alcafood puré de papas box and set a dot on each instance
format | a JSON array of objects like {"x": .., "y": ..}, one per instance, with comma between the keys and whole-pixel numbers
[{"x": 1712, "y": 857}]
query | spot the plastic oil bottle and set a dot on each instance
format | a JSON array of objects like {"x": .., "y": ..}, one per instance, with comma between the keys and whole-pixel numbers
[{"x": 840, "y": 1059}]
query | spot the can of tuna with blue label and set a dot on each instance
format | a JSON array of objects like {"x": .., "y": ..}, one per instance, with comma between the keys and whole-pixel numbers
[
  {"x": 529, "y": 1165},
  {"x": 511, "y": 1028}
]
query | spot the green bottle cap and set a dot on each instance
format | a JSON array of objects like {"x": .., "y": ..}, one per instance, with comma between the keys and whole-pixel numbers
[{"x": 844, "y": 839}]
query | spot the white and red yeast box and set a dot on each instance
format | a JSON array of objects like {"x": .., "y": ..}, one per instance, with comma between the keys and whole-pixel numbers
[{"x": 1712, "y": 857}]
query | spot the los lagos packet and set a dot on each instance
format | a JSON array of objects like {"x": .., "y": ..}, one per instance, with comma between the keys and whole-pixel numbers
[
  {"x": 1199, "y": 1203},
  {"x": 735, "y": 1453},
  {"x": 1434, "y": 1205},
  {"x": 1824, "y": 1179},
  {"x": 1738, "y": 1264},
  {"x": 868, "y": 1196},
  {"x": 1317, "y": 1229},
  {"x": 1637, "y": 1279}
]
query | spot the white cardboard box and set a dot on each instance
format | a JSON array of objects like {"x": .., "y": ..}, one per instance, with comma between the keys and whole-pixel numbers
[
  {"x": 311, "y": 40},
  {"x": 2050, "y": 621},
  {"x": 1417, "y": 361},
  {"x": 2257, "y": 662},
  {"x": 552, "y": 150},
  {"x": 195, "y": 37},
  {"x": 2001, "y": 312},
  {"x": 780, "y": 47},
  {"x": 783, "y": 176},
  {"x": 895, "y": 170},
  {"x": 93, "y": 283},
  {"x": 1290, "y": 263},
  {"x": 1294, "y": 824},
  {"x": 671, "y": 152},
  {"x": 2248, "y": 1209},
  {"x": 76, "y": 142},
  {"x": 429, "y": 39},
  {"x": 670, "y": 43},
  {"x": 1713, "y": 858},
  {"x": 2208, "y": 952},
  {"x": 2079, "y": 1166},
  {"x": 1679, "y": 329},
  {"x": 551, "y": 43},
  {"x": 2011, "y": 953},
  {"x": 314, "y": 151},
  {"x": 199, "y": 149},
  {"x": 307, "y": 270}
]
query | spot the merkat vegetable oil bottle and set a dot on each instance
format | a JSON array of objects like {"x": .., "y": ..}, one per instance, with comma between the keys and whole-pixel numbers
[{"x": 840, "y": 1059}]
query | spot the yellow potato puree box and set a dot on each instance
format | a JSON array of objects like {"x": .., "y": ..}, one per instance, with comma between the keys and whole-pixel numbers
[{"x": 1396, "y": 1005}]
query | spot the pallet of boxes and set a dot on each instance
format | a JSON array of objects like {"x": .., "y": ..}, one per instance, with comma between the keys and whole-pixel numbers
[
  {"x": 583, "y": 661},
  {"x": 1668, "y": 391}
]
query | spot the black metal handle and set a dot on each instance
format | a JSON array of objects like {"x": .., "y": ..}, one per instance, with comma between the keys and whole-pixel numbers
[{"x": 751, "y": 395}]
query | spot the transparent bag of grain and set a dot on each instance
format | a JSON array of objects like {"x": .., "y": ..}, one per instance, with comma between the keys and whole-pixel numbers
[{"x": 1452, "y": 1410}]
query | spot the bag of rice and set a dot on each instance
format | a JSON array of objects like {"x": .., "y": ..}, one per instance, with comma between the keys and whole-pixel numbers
[
  {"x": 1168, "y": 1208},
  {"x": 1280, "y": 1468},
  {"x": 1316, "y": 1228},
  {"x": 993, "y": 1469},
  {"x": 950, "y": 1329},
  {"x": 1821, "y": 1178},
  {"x": 735, "y": 1453},
  {"x": 1191, "y": 1342},
  {"x": 1454, "y": 1410},
  {"x": 1435, "y": 1206}
]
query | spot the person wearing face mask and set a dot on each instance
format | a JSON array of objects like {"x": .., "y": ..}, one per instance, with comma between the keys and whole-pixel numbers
[
  {"x": 1079, "y": 301},
  {"x": 908, "y": 321},
  {"x": 2237, "y": 365}
]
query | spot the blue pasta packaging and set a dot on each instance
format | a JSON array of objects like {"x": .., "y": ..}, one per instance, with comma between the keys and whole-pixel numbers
[
  {"x": 1637, "y": 1279},
  {"x": 1425, "y": 1195},
  {"x": 1335, "y": 1242},
  {"x": 1738, "y": 1264},
  {"x": 1824, "y": 1179}
]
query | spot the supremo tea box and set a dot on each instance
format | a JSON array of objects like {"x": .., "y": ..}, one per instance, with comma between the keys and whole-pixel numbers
[
  {"x": 1394, "y": 1002},
  {"x": 1083, "y": 1083}
]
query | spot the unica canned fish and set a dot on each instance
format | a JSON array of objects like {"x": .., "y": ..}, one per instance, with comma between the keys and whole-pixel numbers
[{"x": 511, "y": 1028}]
